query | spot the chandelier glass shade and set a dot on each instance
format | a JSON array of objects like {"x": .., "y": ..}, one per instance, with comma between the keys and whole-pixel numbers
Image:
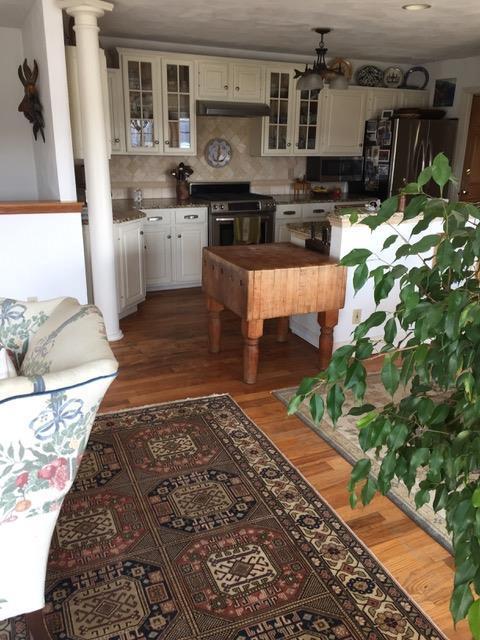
[{"x": 314, "y": 78}]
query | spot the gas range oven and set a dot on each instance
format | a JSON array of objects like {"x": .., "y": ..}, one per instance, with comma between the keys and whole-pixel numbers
[{"x": 235, "y": 215}]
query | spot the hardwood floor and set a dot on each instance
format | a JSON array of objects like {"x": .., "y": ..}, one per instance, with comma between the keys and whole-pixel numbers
[{"x": 164, "y": 356}]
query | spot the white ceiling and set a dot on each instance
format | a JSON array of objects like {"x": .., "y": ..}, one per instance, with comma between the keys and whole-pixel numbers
[
  {"x": 367, "y": 29},
  {"x": 13, "y": 12}
]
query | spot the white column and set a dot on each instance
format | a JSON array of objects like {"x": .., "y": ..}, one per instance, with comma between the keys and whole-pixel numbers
[{"x": 97, "y": 172}]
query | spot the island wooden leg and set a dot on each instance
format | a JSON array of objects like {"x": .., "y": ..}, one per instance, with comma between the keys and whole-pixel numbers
[
  {"x": 251, "y": 331},
  {"x": 214, "y": 324},
  {"x": 282, "y": 329},
  {"x": 327, "y": 321}
]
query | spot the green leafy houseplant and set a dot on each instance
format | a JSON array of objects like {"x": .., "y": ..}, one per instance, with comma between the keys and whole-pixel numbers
[{"x": 429, "y": 438}]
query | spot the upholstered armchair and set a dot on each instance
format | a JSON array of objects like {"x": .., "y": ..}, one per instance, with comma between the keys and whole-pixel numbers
[{"x": 65, "y": 366}]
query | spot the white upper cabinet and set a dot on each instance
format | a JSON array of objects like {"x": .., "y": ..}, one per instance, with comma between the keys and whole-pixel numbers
[
  {"x": 178, "y": 108},
  {"x": 142, "y": 103},
  {"x": 247, "y": 82},
  {"x": 236, "y": 81},
  {"x": 343, "y": 121},
  {"x": 380, "y": 99},
  {"x": 414, "y": 98},
  {"x": 213, "y": 80},
  {"x": 307, "y": 122},
  {"x": 278, "y": 126},
  {"x": 116, "y": 110}
]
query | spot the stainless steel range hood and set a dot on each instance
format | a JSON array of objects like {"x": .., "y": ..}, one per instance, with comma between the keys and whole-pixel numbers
[{"x": 232, "y": 109}]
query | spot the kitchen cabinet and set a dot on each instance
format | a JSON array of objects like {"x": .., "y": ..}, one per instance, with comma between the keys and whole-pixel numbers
[
  {"x": 278, "y": 127},
  {"x": 235, "y": 81},
  {"x": 178, "y": 108},
  {"x": 116, "y": 110},
  {"x": 307, "y": 122},
  {"x": 74, "y": 101},
  {"x": 379, "y": 99},
  {"x": 174, "y": 241},
  {"x": 141, "y": 82},
  {"x": 343, "y": 115},
  {"x": 130, "y": 265},
  {"x": 303, "y": 212}
]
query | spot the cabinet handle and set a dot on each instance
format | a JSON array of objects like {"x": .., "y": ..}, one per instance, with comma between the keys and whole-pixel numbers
[
  {"x": 155, "y": 218},
  {"x": 237, "y": 88},
  {"x": 289, "y": 144},
  {"x": 156, "y": 142},
  {"x": 289, "y": 213},
  {"x": 319, "y": 211},
  {"x": 192, "y": 216},
  {"x": 179, "y": 235},
  {"x": 167, "y": 141},
  {"x": 225, "y": 86},
  {"x": 169, "y": 237},
  {"x": 141, "y": 233},
  {"x": 117, "y": 140}
]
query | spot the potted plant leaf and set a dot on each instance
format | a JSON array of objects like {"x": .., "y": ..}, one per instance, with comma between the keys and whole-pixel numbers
[{"x": 428, "y": 435}]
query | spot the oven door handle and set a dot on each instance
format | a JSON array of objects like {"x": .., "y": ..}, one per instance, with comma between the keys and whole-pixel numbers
[{"x": 224, "y": 219}]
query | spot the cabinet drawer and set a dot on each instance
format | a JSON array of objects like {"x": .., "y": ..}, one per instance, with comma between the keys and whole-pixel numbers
[
  {"x": 288, "y": 212},
  {"x": 158, "y": 216},
  {"x": 314, "y": 210},
  {"x": 191, "y": 216}
]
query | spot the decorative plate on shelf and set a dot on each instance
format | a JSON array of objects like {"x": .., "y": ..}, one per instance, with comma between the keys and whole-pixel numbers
[
  {"x": 393, "y": 77},
  {"x": 342, "y": 65},
  {"x": 416, "y": 78},
  {"x": 369, "y": 76},
  {"x": 218, "y": 152}
]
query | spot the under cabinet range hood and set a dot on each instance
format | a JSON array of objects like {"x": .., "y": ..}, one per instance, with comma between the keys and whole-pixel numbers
[{"x": 232, "y": 109}]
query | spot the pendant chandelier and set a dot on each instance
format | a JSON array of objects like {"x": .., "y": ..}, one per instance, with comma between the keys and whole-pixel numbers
[{"x": 313, "y": 79}]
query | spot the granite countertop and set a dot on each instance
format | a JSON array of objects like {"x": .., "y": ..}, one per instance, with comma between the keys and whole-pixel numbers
[
  {"x": 304, "y": 229},
  {"x": 320, "y": 197}
]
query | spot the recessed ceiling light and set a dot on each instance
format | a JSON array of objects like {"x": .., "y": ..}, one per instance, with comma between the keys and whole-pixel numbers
[{"x": 416, "y": 7}]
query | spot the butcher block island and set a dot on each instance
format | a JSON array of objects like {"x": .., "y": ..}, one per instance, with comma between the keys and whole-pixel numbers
[{"x": 262, "y": 281}]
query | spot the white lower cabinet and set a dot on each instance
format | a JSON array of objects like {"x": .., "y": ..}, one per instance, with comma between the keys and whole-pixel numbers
[
  {"x": 174, "y": 240},
  {"x": 130, "y": 265}
]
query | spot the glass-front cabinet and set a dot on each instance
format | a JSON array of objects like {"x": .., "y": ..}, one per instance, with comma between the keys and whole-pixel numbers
[
  {"x": 278, "y": 132},
  {"x": 178, "y": 108},
  {"x": 141, "y": 88},
  {"x": 307, "y": 122}
]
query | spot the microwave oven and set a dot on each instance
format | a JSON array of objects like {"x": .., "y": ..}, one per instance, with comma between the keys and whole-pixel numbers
[{"x": 334, "y": 169}]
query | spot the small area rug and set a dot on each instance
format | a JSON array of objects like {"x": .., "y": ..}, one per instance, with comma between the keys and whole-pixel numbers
[
  {"x": 344, "y": 439},
  {"x": 186, "y": 523}
]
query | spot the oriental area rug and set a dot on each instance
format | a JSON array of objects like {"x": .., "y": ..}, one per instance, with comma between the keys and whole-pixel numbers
[
  {"x": 186, "y": 523},
  {"x": 344, "y": 439}
]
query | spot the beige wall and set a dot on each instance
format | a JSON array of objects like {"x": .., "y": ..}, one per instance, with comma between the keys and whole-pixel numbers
[{"x": 271, "y": 174}]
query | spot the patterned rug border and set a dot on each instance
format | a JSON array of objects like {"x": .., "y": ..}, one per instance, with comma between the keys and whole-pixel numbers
[
  {"x": 302, "y": 476},
  {"x": 403, "y": 506}
]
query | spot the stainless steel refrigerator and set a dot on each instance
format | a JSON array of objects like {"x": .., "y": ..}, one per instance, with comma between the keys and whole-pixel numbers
[{"x": 397, "y": 149}]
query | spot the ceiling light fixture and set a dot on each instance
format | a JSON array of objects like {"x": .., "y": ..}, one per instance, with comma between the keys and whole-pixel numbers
[
  {"x": 313, "y": 79},
  {"x": 416, "y": 7}
]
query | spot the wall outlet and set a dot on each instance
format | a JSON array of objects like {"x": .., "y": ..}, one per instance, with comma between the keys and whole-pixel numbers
[{"x": 356, "y": 316}]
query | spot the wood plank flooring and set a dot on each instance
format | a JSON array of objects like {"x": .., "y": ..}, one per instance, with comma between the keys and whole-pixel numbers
[{"x": 163, "y": 356}]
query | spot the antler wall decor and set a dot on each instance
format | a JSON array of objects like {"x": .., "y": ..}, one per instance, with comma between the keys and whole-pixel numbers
[{"x": 31, "y": 106}]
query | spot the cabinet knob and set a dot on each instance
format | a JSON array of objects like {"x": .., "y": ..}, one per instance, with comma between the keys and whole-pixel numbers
[
  {"x": 167, "y": 142},
  {"x": 289, "y": 144},
  {"x": 237, "y": 88},
  {"x": 156, "y": 142},
  {"x": 117, "y": 140},
  {"x": 179, "y": 235},
  {"x": 141, "y": 233},
  {"x": 225, "y": 86},
  {"x": 169, "y": 237}
]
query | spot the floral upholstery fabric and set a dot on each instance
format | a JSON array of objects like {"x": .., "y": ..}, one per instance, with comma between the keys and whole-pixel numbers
[{"x": 46, "y": 415}]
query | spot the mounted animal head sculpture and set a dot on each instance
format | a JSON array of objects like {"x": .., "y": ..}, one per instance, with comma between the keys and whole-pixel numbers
[{"x": 30, "y": 106}]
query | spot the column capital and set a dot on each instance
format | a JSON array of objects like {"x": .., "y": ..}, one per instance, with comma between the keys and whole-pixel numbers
[{"x": 95, "y": 8}]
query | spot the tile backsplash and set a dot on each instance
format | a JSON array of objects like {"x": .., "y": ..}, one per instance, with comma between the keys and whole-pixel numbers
[{"x": 152, "y": 173}]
